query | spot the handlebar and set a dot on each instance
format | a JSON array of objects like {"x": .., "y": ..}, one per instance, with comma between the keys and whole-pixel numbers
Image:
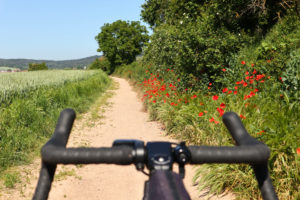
[{"x": 126, "y": 152}]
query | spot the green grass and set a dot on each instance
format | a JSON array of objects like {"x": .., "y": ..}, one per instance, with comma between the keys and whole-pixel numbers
[
  {"x": 21, "y": 84},
  {"x": 29, "y": 121}
]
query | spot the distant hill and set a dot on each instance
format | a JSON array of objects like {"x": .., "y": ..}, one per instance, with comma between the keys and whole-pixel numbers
[{"x": 52, "y": 64}]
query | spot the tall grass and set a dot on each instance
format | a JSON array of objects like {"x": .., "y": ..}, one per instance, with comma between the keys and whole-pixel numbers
[
  {"x": 28, "y": 120},
  {"x": 20, "y": 84}
]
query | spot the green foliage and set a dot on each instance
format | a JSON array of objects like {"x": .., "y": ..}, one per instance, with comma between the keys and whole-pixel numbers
[
  {"x": 10, "y": 179},
  {"x": 27, "y": 122},
  {"x": 121, "y": 42},
  {"x": 266, "y": 114},
  {"x": 37, "y": 66},
  {"x": 101, "y": 63},
  {"x": 193, "y": 50}
]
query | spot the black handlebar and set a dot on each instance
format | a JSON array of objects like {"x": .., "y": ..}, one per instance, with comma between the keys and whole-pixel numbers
[{"x": 249, "y": 151}]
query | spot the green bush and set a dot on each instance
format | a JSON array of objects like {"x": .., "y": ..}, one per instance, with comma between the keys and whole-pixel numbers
[{"x": 37, "y": 66}]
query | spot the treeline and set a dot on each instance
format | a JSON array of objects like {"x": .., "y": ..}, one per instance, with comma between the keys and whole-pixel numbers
[{"x": 52, "y": 64}]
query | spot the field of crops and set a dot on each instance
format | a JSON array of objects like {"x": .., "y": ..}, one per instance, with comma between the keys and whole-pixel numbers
[
  {"x": 30, "y": 105},
  {"x": 19, "y": 84}
]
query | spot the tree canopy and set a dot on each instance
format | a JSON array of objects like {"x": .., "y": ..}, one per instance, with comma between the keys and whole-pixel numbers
[
  {"x": 121, "y": 41},
  {"x": 37, "y": 66}
]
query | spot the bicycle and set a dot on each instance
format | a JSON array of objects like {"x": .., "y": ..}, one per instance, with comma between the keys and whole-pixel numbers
[{"x": 158, "y": 158}]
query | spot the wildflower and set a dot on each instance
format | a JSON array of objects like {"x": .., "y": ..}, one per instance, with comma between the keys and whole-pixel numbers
[
  {"x": 236, "y": 87},
  {"x": 205, "y": 111},
  {"x": 247, "y": 77},
  {"x": 154, "y": 101},
  {"x": 210, "y": 84},
  {"x": 260, "y": 133},
  {"x": 247, "y": 73},
  {"x": 221, "y": 111},
  {"x": 242, "y": 116},
  {"x": 194, "y": 96},
  {"x": 215, "y": 97},
  {"x": 211, "y": 119},
  {"x": 216, "y": 122},
  {"x": 224, "y": 70},
  {"x": 254, "y": 71},
  {"x": 167, "y": 95},
  {"x": 209, "y": 88},
  {"x": 230, "y": 91},
  {"x": 298, "y": 151},
  {"x": 245, "y": 84},
  {"x": 201, "y": 103},
  {"x": 243, "y": 62},
  {"x": 235, "y": 92},
  {"x": 222, "y": 105},
  {"x": 252, "y": 65},
  {"x": 200, "y": 114},
  {"x": 262, "y": 81},
  {"x": 225, "y": 90},
  {"x": 268, "y": 61},
  {"x": 178, "y": 80}
]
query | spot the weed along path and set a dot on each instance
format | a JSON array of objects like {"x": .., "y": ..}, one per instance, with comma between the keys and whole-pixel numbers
[{"x": 123, "y": 118}]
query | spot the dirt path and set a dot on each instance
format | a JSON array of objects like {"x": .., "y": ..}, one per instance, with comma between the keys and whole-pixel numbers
[{"x": 123, "y": 119}]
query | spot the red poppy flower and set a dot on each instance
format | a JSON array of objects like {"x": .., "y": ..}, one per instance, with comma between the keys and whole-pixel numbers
[
  {"x": 243, "y": 62},
  {"x": 230, "y": 91},
  {"x": 254, "y": 71},
  {"x": 211, "y": 119},
  {"x": 242, "y": 116},
  {"x": 236, "y": 87},
  {"x": 252, "y": 65},
  {"x": 224, "y": 70},
  {"x": 194, "y": 96},
  {"x": 216, "y": 122},
  {"x": 215, "y": 97},
  {"x": 222, "y": 105},
  {"x": 260, "y": 133},
  {"x": 205, "y": 111},
  {"x": 235, "y": 92},
  {"x": 221, "y": 111},
  {"x": 154, "y": 101},
  {"x": 201, "y": 103},
  {"x": 209, "y": 88},
  {"x": 225, "y": 90},
  {"x": 245, "y": 84},
  {"x": 210, "y": 84},
  {"x": 298, "y": 151},
  {"x": 200, "y": 114},
  {"x": 247, "y": 73}
]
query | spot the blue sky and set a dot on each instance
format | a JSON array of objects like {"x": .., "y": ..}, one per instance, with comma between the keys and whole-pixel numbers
[{"x": 58, "y": 29}]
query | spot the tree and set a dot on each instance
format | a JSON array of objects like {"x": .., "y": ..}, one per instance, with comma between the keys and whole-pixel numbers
[
  {"x": 100, "y": 63},
  {"x": 37, "y": 66},
  {"x": 121, "y": 42}
]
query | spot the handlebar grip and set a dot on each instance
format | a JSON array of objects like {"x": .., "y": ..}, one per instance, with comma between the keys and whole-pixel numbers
[
  {"x": 237, "y": 130},
  {"x": 59, "y": 139},
  {"x": 63, "y": 128},
  {"x": 256, "y": 154},
  {"x": 121, "y": 155}
]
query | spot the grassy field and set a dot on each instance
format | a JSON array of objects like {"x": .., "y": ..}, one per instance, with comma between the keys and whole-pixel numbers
[
  {"x": 20, "y": 84},
  {"x": 31, "y": 103}
]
